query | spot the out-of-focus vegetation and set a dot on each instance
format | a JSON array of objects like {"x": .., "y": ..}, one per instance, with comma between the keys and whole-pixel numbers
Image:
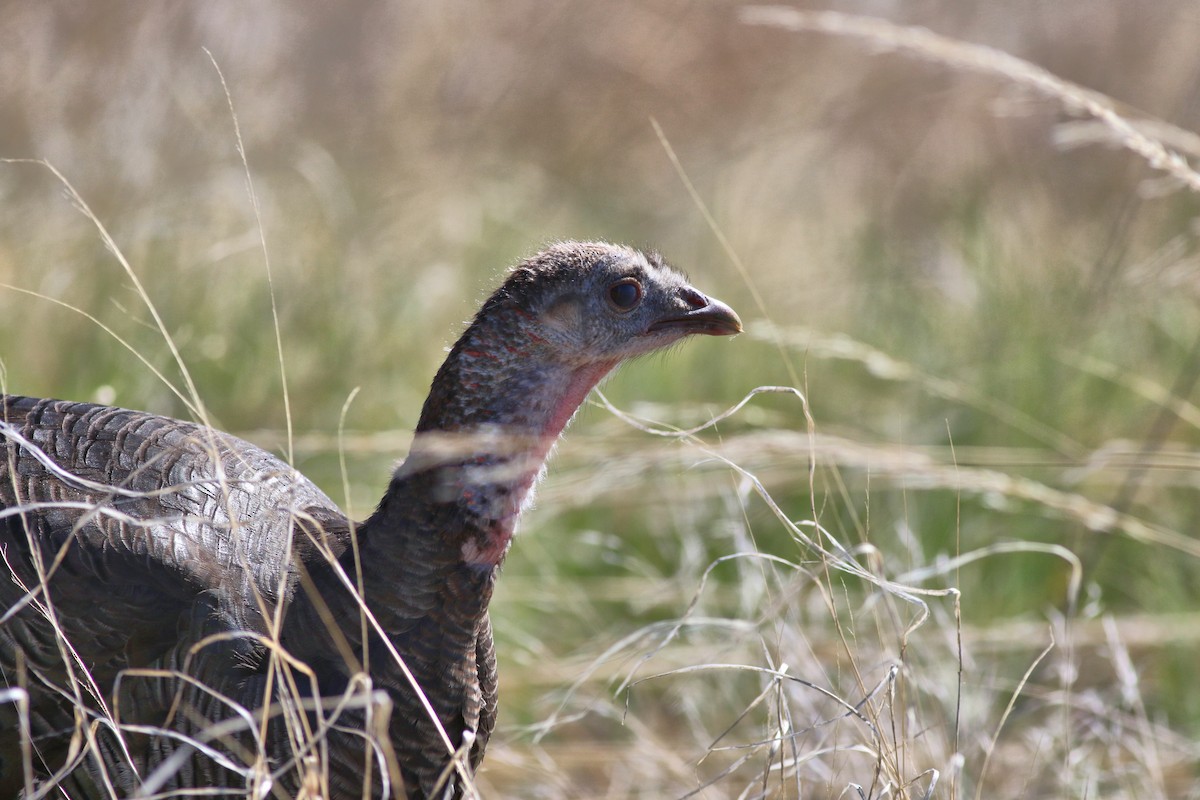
[{"x": 988, "y": 300}]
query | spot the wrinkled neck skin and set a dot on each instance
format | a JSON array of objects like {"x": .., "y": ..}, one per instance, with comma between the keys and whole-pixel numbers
[{"x": 494, "y": 413}]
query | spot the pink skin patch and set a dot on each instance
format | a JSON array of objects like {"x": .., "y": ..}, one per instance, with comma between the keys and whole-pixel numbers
[{"x": 491, "y": 552}]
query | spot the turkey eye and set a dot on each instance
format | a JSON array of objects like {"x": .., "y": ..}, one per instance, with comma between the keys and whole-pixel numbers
[{"x": 625, "y": 294}]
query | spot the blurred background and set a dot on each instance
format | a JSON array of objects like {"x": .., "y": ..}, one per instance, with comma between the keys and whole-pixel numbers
[{"x": 989, "y": 303}]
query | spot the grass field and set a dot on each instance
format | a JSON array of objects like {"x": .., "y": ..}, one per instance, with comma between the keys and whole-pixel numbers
[{"x": 956, "y": 556}]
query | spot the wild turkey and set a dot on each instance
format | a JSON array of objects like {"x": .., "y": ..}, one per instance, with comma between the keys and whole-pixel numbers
[{"x": 152, "y": 567}]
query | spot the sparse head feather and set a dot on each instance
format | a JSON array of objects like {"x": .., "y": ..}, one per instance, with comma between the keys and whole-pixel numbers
[
  {"x": 558, "y": 324},
  {"x": 595, "y": 301}
]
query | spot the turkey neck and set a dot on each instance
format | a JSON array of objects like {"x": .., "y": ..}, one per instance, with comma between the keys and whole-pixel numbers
[
  {"x": 430, "y": 553},
  {"x": 494, "y": 412}
]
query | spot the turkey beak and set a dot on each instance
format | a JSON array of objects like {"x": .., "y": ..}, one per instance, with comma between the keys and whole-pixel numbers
[{"x": 706, "y": 315}]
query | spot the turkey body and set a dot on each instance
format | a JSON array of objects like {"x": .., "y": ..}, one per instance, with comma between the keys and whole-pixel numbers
[
  {"x": 151, "y": 534},
  {"x": 184, "y": 610},
  {"x": 148, "y": 534}
]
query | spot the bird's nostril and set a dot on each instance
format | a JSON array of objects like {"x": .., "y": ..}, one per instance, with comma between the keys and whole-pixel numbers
[{"x": 694, "y": 298}]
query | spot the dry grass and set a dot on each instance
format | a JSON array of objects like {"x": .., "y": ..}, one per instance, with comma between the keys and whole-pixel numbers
[{"x": 954, "y": 557}]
